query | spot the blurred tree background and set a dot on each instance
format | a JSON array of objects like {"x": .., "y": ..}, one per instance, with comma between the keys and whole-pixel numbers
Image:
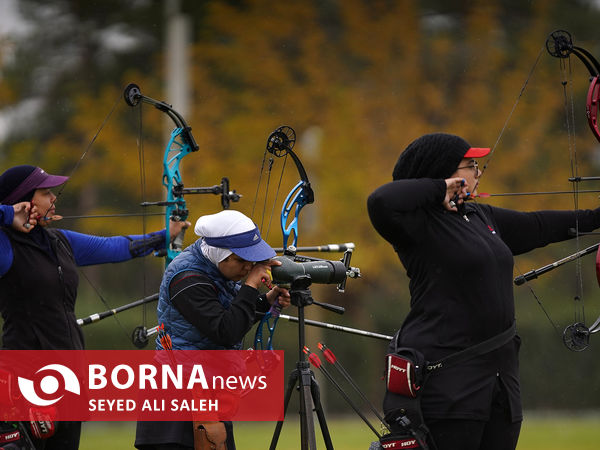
[{"x": 358, "y": 80}]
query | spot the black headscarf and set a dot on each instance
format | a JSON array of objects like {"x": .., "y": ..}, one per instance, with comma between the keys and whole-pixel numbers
[{"x": 435, "y": 155}]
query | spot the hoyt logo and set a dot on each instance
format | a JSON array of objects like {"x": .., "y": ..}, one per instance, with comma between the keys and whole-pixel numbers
[
  {"x": 398, "y": 368},
  {"x": 49, "y": 385},
  {"x": 10, "y": 437},
  {"x": 401, "y": 443}
]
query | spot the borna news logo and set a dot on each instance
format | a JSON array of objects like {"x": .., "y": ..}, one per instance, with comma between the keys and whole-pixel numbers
[
  {"x": 130, "y": 385},
  {"x": 49, "y": 385}
]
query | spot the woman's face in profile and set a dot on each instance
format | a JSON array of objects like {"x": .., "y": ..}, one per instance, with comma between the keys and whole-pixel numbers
[
  {"x": 469, "y": 170},
  {"x": 235, "y": 268}
]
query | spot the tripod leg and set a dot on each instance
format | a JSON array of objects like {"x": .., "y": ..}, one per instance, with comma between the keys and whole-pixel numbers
[
  {"x": 307, "y": 429},
  {"x": 316, "y": 396},
  {"x": 293, "y": 378}
]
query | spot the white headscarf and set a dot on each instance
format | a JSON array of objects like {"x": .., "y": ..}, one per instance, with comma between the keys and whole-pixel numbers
[{"x": 224, "y": 223}]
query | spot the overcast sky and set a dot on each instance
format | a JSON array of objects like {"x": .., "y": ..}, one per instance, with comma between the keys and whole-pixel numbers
[{"x": 10, "y": 21}]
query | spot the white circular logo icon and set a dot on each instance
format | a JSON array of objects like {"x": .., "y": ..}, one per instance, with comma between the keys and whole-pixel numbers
[{"x": 49, "y": 385}]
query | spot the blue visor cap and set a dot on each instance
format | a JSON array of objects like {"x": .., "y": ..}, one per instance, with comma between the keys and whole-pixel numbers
[{"x": 247, "y": 245}]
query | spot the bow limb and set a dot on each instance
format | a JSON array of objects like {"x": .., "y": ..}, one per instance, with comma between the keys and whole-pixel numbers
[
  {"x": 299, "y": 196},
  {"x": 268, "y": 321}
]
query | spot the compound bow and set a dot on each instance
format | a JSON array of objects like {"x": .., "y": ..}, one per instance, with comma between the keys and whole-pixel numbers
[
  {"x": 180, "y": 144},
  {"x": 559, "y": 44},
  {"x": 280, "y": 144}
]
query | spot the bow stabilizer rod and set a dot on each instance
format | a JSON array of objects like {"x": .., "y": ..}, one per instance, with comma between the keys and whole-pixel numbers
[
  {"x": 533, "y": 274},
  {"x": 314, "y": 323},
  {"x": 323, "y": 248},
  {"x": 111, "y": 312}
]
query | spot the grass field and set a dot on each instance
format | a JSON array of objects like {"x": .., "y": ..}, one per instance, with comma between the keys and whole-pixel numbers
[{"x": 547, "y": 432}]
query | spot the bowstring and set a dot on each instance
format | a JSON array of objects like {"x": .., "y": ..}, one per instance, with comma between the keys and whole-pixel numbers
[
  {"x": 489, "y": 158},
  {"x": 514, "y": 107},
  {"x": 569, "y": 107},
  {"x": 142, "y": 170},
  {"x": 85, "y": 152},
  {"x": 264, "y": 207},
  {"x": 61, "y": 189},
  {"x": 269, "y": 170},
  {"x": 262, "y": 168},
  {"x": 276, "y": 195},
  {"x": 104, "y": 302}
]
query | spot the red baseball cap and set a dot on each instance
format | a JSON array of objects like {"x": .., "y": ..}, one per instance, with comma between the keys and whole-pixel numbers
[{"x": 476, "y": 152}]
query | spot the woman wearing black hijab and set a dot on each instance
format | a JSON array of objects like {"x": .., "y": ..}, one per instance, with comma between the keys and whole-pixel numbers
[
  {"x": 459, "y": 258},
  {"x": 38, "y": 272}
]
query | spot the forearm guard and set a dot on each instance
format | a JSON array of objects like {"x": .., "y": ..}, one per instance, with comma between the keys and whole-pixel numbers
[{"x": 143, "y": 246}]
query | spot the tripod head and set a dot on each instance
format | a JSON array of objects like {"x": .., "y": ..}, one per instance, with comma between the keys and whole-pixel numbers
[{"x": 301, "y": 295}]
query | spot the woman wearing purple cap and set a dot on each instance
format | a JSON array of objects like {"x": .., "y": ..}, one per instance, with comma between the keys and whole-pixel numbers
[
  {"x": 208, "y": 299},
  {"x": 459, "y": 258},
  {"x": 38, "y": 271}
]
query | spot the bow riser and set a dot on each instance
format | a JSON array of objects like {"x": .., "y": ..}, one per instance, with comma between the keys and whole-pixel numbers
[
  {"x": 176, "y": 206},
  {"x": 591, "y": 107}
]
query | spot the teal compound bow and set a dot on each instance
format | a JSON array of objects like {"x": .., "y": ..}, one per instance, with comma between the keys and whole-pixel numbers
[{"x": 181, "y": 143}]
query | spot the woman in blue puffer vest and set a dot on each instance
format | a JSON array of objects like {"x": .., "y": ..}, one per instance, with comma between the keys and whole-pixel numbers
[{"x": 205, "y": 305}]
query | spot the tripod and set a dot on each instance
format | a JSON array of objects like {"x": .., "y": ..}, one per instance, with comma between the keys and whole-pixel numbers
[{"x": 303, "y": 377}]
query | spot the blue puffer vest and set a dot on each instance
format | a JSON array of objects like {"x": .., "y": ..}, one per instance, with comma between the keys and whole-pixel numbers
[{"x": 184, "y": 335}]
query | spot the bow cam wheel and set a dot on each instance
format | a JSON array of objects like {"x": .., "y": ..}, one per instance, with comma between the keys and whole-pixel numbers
[{"x": 576, "y": 337}]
